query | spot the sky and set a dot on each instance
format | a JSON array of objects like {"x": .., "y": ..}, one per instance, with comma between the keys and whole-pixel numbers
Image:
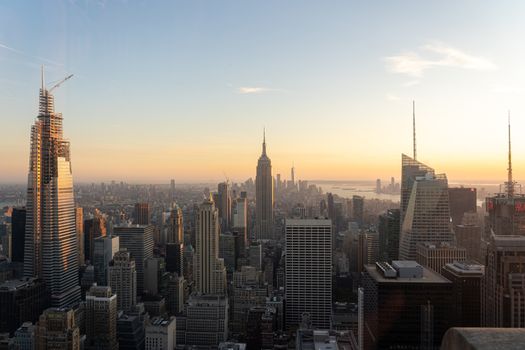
[{"x": 183, "y": 89}]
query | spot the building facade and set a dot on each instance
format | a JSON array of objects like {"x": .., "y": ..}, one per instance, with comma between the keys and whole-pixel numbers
[
  {"x": 138, "y": 240},
  {"x": 50, "y": 246},
  {"x": 208, "y": 270},
  {"x": 308, "y": 271},
  {"x": 264, "y": 197}
]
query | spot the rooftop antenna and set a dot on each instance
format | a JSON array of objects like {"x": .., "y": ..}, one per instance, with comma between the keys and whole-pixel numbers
[
  {"x": 264, "y": 141},
  {"x": 414, "y": 128},
  {"x": 43, "y": 83},
  {"x": 510, "y": 182}
]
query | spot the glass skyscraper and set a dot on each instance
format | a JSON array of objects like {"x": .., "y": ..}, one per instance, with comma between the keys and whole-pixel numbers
[{"x": 51, "y": 244}]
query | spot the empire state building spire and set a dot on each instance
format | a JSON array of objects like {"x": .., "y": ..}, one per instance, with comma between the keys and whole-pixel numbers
[
  {"x": 264, "y": 196},
  {"x": 264, "y": 143}
]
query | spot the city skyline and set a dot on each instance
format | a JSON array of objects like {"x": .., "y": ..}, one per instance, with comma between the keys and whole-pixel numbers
[{"x": 337, "y": 79}]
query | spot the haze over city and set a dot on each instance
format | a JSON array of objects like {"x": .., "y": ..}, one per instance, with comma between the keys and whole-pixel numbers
[{"x": 183, "y": 89}]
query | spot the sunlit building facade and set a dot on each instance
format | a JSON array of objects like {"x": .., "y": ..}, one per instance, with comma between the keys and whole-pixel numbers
[
  {"x": 427, "y": 215},
  {"x": 51, "y": 247}
]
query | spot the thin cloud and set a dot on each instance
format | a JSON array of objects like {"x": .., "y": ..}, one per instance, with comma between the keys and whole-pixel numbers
[
  {"x": 392, "y": 97},
  {"x": 246, "y": 90},
  {"x": 10, "y": 48},
  {"x": 416, "y": 63},
  {"x": 35, "y": 58}
]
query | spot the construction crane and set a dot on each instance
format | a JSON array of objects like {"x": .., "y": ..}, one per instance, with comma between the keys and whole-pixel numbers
[{"x": 59, "y": 83}]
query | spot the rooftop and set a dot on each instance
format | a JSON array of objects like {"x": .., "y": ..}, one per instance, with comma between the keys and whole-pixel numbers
[
  {"x": 429, "y": 276},
  {"x": 12, "y": 285},
  {"x": 483, "y": 339}
]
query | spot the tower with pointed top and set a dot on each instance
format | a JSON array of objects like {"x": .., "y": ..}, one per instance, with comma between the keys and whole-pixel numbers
[
  {"x": 51, "y": 246},
  {"x": 264, "y": 196}
]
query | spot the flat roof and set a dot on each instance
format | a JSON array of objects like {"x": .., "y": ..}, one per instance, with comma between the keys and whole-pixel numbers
[
  {"x": 308, "y": 222},
  {"x": 429, "y": 276}
]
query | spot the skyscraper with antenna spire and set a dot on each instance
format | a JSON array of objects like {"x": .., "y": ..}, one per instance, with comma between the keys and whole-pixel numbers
[
  {"x": 424, "y": 206},
  {"x": 51, "y": 246},
  {"x": 506, "y": 210},
  {"x": 264, "y": 196}
]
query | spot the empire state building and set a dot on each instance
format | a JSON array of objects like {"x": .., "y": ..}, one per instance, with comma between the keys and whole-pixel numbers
[
  {"x": 264, "y": 197},
  {"x": 51, "y": 244}
]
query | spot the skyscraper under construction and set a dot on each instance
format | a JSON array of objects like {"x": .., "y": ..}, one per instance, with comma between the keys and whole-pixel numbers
[{"x": 51, "y": 246}]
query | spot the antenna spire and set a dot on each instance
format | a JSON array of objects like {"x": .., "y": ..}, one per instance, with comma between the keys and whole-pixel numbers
[
  {"x": 414, "y": 128},
  {"x": 510, "y": 182},
  {"x": 43, "y": 83},
  {"x": 264, "y": 142}
]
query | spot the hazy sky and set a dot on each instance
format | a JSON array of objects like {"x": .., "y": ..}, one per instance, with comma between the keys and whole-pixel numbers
[{"x": 183, "y": 89}]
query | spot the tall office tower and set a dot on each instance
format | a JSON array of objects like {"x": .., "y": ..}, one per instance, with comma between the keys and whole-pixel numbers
[
  {"x": 20, "y": 301},
  {"x": 208, "y": 270},
  {"x": 224, "y": 205},
  {"x": 207, "y": 321},
  {"x": 104, "y": 248},
  {"x": 154, "y": 275},
  {"x": 308, "y": 271},
  {"x": 50, "y": 250},
  {"x": 175, "y": 226},
  {"x": 93, "y": 228},
  {"x": 79, "y": 228},
  {"x": 141, "y": 214},
  {"x": 160, "y": 334},
  {"x": 240, "y": 217},
  {"x": 506, "y": 211},
  {"x": 358, "y": 208},
  {"x": 331, "y": 208},
  {"x": 406, "y": 306},
  {"x": 410, "y": 170},
  {"x": 379, "y": 189},
  {"x": 427, "y": 217},
  {"x": 468, "y": 236},
  {"x": 122, "y": 277},
  {"x": 264, "y": 197},
  {"x": 462, "y": 200},
  {"x": 138, "y": 240},
  {"x": 176, "y": 294},
  {"x": 466, "y": 278},
  {"x": 436, "y": 255},
  {"x": 389, "y": 235},
  {"x": 100, "y": 314},
  {"x": 229, "y": 250},
  {"x": 172, "y": 190},
  {"x": 368, "y": 249},
  {"x": 130, "y": 332},
  {"x": 18, "y": 233},
  {"x": 57, "y": 329},
  {"x": 505, "y": 282},
  {"x": 175, "y": 242}
]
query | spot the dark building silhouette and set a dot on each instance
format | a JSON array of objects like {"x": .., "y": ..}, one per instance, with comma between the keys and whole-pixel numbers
[
  {"x": 141, "y": 214},
  {"x": 18, "y": 227},
  {"x": 406, "y": 306},
  {"x": 358, "y": 208},
  {"x": 466, "y": 278},
  {"x": 130, "y": 332},
  {"x": 388, "y": 228},
  {"x": 20, "y": 301},
  {"x": 462, "y": 200}
]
